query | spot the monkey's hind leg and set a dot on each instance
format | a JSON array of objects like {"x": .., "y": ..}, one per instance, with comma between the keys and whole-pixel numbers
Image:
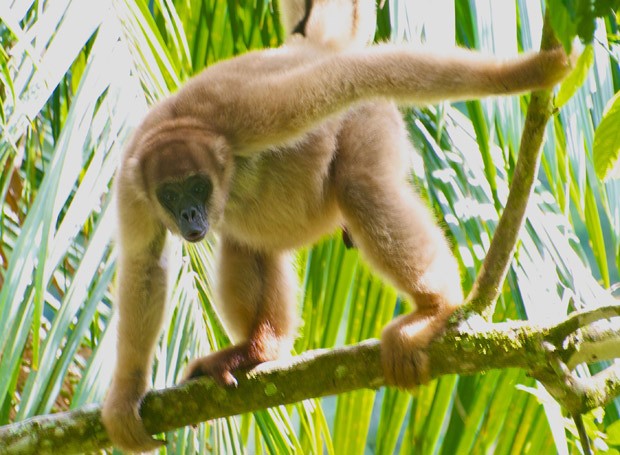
[
  {"x": 397, "y": 235},
  {"x": 258, "y": 305}
]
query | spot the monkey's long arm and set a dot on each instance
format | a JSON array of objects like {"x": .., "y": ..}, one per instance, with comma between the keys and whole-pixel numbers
[
  {"x": 273, "y": 109},
  {"x": 141, "y": 306}
]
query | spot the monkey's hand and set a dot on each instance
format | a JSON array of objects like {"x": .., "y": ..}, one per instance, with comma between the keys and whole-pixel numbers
[
  {"x": 121, "y": 419},
  {"x": 403, "y": 344},
  {"x": 221, "y": 365}
]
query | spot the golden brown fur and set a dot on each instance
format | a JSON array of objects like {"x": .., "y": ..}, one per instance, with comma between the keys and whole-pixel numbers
[{"x": 305, "y": 145}]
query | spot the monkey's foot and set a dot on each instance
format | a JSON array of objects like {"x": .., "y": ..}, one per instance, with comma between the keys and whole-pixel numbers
[
  {"x": 403, "y": 347},
  {"x": 555, "y": 64},
  {"x": 220, "y": 365},
  {"x": 125, "y": 428}
]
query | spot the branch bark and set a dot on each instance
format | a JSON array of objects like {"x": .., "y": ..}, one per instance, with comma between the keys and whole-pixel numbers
[{"x": 467, "y": 347}]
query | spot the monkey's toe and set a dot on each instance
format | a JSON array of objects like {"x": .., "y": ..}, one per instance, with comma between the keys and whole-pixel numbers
[{"x": 209, "y": 366}]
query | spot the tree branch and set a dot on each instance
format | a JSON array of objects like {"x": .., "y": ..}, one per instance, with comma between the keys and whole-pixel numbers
[
  {"x": 579, "y": 395},
  {"x": 471, "y": 346},
  {"x": 581, "y": 319},
  {"x": 487, "y": 286}
]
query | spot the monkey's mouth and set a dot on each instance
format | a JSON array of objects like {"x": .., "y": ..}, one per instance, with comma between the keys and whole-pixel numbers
[
  {"x": 194, "y": 229},
  {"x": 195, "y": 236}
]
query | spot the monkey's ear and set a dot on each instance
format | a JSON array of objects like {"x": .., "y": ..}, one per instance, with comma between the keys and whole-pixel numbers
[
  {"x": 130, "y": 172},
  {"x": 221, "y": 150}
]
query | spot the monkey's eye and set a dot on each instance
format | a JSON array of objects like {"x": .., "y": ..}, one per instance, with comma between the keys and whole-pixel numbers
[
  {"x": 198, "y": 189},
  {"x": 167, "y": 196}
]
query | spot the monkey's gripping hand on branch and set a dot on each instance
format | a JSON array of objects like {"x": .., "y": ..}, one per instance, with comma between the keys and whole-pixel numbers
[
  {"x": 403, "y": 347},
  {"x": 121, "y": 417}
]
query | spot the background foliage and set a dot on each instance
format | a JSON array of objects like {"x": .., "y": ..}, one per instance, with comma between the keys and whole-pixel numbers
[{"x": 76, "y": 76}]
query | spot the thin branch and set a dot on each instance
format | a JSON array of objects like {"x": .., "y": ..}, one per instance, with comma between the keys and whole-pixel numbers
[
  {"x": 581, "y": 319},
  {"x": 474, "y": 346},
  {"x": 601, "y": 389},
  {"x": 599, "y": 343},
  {"x": 583, "y": 435},
  {"x": 579, "y": 395},
  {"x": 490, "y": 279}
]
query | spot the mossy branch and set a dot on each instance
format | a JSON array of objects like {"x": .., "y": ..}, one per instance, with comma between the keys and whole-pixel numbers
[
  {"x": 468, "y": 347},
  {"x": 487, "y": 287}
]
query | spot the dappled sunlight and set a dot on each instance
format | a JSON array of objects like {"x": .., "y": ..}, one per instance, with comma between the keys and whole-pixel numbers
[{"x": 469, "y": 207}]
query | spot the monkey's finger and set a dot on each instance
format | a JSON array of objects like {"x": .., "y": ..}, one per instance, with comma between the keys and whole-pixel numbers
[
  {"x": 393, "y": 366},
  {"x": 404, "y": 366},
  {"x": 144, "y": 444},
  {"x": 156, "y": 443},
  {"x": 130, "y": 435},
  {"x": 231, "y": 381},
  {"x": 198, "y": 368},
  {"x": 413, "y": 371},
  {"x": 225, "y": 378},
  {"x": 191, "y": 373},
  {"x": 407, "y": 375}
]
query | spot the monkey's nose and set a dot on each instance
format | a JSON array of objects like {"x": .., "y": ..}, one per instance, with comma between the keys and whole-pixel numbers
[{"x": 190, "y": 214}]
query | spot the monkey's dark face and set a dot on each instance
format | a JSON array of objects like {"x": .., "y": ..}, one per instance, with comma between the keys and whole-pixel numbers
[
  {"x": 184, "y": 174},
  {"x": 186, "y": 202}
]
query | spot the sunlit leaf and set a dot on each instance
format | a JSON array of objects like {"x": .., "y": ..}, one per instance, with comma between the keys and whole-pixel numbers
[
  {"x": 606, "y": 147},
  {"x": 613, "y": 434},
  {"x": 564, "y": 20},
  {"x": 576, "y": 78}
]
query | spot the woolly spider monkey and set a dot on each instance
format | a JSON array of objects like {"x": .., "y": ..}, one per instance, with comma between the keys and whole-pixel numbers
[{"x": 273, "y": 149}]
